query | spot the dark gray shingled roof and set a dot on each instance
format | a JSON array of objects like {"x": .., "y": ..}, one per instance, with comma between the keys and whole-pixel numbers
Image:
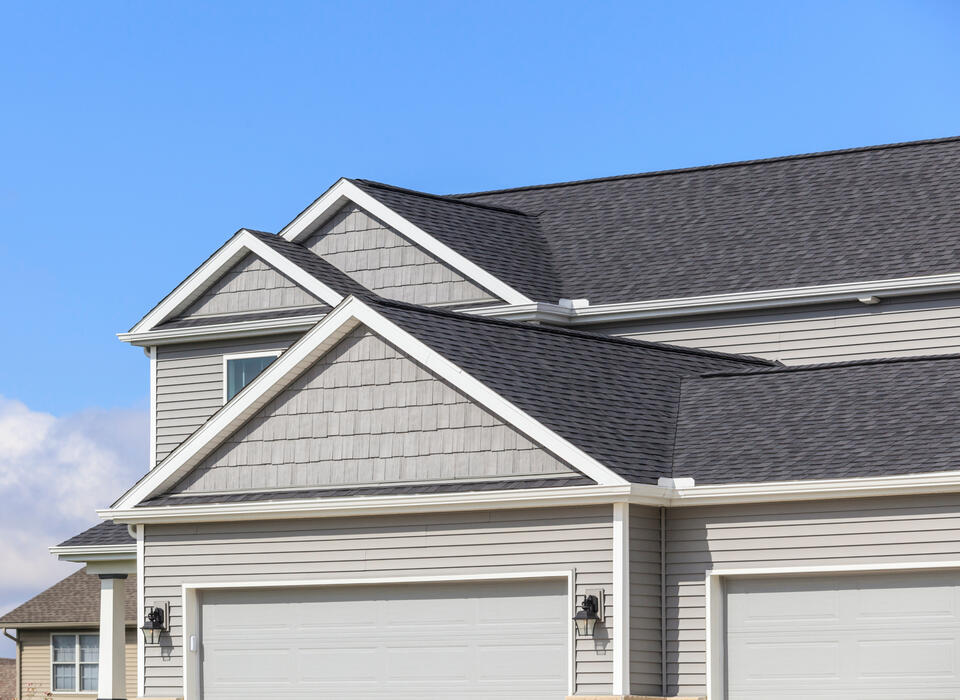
[
  {"x": 853, "y": 419},
  {"x": 614, "y": 398},
  {"x": 73, "y": 601},
  {"x": 506, "y": 243},
  {"x": 107, "y": 532},
  {"x": 392, "y": 490},
  {"x": 864, "y": 214}
]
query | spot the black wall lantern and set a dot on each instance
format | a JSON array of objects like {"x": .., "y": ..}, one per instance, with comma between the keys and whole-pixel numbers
[
  {"x": 154, "y": 623},
  {"x": 590, "y": 612}
]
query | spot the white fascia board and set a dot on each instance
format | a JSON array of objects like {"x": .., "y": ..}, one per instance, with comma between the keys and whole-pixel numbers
[
  {"x": 343, "y": 190},
  {"x": 818, "y": 489},
  {"x": 103, "y": 552},
  {"x": 380, "y": 505},
  {"x": 239, "y": 329},
  {"x": 720, "y": 303},
  {"x": 242, "y": 243},
  {"x": 305, "y": 352}
]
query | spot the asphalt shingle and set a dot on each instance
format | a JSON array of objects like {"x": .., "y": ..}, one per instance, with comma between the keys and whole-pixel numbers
[
  {"x": 107, "y": 532},
  {"x": 74, "y": 600},
  {"x": 855, "y": 419}
]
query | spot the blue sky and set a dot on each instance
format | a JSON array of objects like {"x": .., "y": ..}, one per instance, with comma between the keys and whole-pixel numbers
[{"x": 136, "y": 137}]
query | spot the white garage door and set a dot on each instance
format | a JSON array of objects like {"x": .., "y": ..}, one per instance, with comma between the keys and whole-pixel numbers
[
  {"x": 850, "y": 637},
  {"x": 504, "y": 639}
]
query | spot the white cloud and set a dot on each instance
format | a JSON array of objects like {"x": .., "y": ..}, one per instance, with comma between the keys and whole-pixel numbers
[{"x": 54, "y": 473}]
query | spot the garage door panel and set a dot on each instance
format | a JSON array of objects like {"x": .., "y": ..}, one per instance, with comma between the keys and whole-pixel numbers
[
  {"x": 505, "y": 639},
  {"x": 871, "y": 636}
]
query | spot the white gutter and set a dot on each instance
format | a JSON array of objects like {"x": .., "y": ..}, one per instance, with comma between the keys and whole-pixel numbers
[
  {"x": 864, "y": 292},
  {"x": 99, "y": 552},
  {"x": 238, "y": 329},
  {"x": 684, "y": 494}
]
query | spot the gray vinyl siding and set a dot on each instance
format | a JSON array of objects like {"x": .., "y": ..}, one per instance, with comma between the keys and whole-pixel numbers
[
  {"x": 827, "y": 333},
  {"x": 385, "y": 262},
  {"x": 190, "y": 384},
  {"x": 645, "y": 654},
  {"x": 366, "y": 414},
  {"x": 250, "y": 285},
  {"x": 541, "y": 539},
  {"x": 903, "y": 529}
]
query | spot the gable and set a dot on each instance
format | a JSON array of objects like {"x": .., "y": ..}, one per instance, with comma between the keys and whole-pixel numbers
[
  {"x": 366, "y": 414},
  {"x": 383, "y": 261},
  {"x": 249, "y": 286}
]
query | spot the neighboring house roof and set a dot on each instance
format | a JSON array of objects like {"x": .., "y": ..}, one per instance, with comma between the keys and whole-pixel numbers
[
  {"x": 614, "y": 398},
  {"x": 73, "y": 601},
  {"x": 8, "y": 679},
  {"x": 861, "y": 214},
  {"x": 106, "y": 532},
  {"x": 852, "y": 419}
]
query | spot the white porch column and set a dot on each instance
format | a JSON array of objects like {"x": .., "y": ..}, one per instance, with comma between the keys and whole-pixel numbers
[{"x": 113, "y": 665}]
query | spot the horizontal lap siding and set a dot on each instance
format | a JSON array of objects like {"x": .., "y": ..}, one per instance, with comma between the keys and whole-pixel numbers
[
  {"x": 190, "y": 384},
  {"x": 383, "y": 261},
  {"x": 826, "y": 533},
  {"x": 838, "y": 332},
  {"x": 36, "y": 663},
  {"x": 409, "y": 545},
  {"x": 645, "y": 600}
]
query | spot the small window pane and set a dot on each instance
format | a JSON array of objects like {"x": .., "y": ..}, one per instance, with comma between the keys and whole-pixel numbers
[
  {"x": 64, "y": 647},
  {"x": 242, "y": 371},
  {"x": 64, "y": 677},
  {"x": 89, "y": 648},
  {"x": 88, "y": 676}
]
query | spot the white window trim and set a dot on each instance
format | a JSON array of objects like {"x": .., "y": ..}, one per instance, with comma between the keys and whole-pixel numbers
[
  {"x": 243, "y": 356},
  {"x": 190, "y": 595},
  {"x": 76, "y": 663},
  {"x": 715, "y": 612}
]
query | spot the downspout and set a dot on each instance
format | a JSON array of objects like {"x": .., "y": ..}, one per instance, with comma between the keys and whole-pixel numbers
[
  {"x": 16, "y": 640},
  {"x": 663, "y": 601}
]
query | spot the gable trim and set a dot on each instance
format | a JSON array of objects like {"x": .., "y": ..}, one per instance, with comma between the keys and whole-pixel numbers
[
  {"x": 233, "y": 251},
  {"x": 324, "y": 207},
  {"x": 347, "y": 316}
]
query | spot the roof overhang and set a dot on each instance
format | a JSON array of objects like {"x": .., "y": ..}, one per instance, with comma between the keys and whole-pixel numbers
[
  {"x": 98, "y": 553},
  {"x": 56, "y": 625},
  {"x": 866, "y": 292},
  {"x": 230, "y": 253},
  {"x": 343, "y": 191},
  {"x": 637, "y": 494}
]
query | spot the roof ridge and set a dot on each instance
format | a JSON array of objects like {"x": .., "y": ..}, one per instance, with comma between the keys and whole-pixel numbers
[
  {"x": 822, "y": 366},
  {"x": 449, "y": 199},
  {"x": 711, "y": 166},
  {"x": 617, "y": 340}
]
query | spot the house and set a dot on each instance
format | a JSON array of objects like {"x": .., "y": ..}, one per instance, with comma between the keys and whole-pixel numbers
[
  {"x": 712, "y": 413},
  {"x": 57, "y": 641}
]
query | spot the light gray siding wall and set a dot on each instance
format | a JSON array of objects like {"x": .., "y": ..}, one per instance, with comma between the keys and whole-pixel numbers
[
  {"x": 190, "y": 384},
  {"x": 366, "y": 414},
  {"x": 250, "y": 285},
  {"x": 828, "y": 333},
  {"x": 906, "y": 529},
  {"x": 383, "y": 261},
  {"x": 542, "y": 539},
  {"x": 645, "y": 654}
]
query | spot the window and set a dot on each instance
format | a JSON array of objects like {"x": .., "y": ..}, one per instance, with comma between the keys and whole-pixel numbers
[
  {"x": 240, "y": 370},
  {"x": 76, "y": 662}
]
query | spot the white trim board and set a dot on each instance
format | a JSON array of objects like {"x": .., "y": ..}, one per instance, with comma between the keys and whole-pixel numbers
[
  {"x": 351, "y": 313},
  {"x": 311, "y": 218},
  {"x": 219, "y": 331},
  {"x": 191, "y": 592},
  {"x": 230, "y": 253},
  {"x": 715, "y": 606},
  {"x": 719, "y": 303}
]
